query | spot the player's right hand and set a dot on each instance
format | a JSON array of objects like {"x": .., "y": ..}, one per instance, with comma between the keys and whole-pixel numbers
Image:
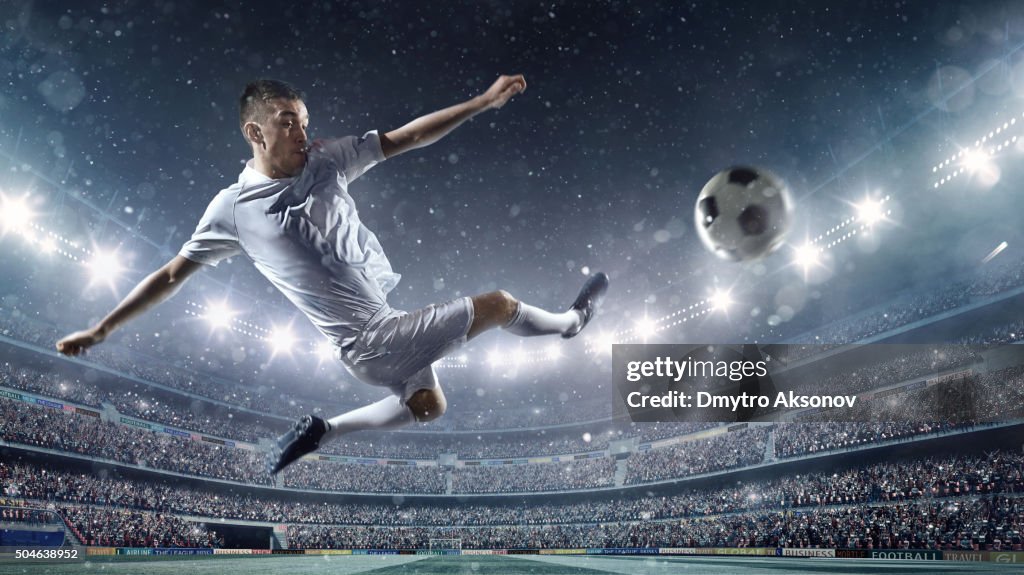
[
  {"x": 503, "y": 89},
  {"x": 78, "y": 342}
]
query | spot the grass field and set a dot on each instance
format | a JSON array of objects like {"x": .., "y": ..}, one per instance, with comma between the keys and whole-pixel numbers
[{"x": 488, "y": 565}]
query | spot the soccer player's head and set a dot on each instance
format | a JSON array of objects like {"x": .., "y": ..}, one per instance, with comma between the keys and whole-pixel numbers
[{"x": 274, "y": 119}]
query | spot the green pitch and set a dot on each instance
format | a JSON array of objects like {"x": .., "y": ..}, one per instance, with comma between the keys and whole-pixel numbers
[{"x": 486, "y": 565}]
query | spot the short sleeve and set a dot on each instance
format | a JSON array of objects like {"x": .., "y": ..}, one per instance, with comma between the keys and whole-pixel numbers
[
  {"x": 354, "y": 155},
  {"x": 215, "y": 237}
]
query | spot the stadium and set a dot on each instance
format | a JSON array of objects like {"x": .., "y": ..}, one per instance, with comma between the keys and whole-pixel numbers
[{"x": 900, "y": 285}]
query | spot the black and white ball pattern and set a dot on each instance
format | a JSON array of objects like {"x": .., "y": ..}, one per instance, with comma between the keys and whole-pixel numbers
[{"x": 743, "y": 213}]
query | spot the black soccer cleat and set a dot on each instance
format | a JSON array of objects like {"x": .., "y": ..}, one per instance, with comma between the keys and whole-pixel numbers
[
  {"x": 303, "y": 438},
  {"x": 588, "y": 300}
]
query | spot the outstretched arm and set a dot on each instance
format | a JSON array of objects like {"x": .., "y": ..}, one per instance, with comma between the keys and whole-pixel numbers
[
  {"x": 157, "y": 287},
  {"x": 428, "y": 129}
]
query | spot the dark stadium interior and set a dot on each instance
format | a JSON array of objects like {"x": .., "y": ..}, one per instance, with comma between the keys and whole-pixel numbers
[{"x": 118, "y": 123}]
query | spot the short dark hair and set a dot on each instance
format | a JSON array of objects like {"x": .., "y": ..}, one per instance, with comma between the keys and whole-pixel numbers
[{"x": 252, "y": 106}]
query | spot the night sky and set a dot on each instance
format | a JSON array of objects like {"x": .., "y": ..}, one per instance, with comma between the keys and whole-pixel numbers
[{"x": 120, "y": 121}]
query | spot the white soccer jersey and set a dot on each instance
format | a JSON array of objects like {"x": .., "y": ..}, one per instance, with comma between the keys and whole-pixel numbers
[{"x": 304, "y": 235}]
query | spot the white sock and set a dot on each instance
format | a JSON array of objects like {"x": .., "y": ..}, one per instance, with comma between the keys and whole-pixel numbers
[
  {"x": 529, "y": 321},
  {"x": 388, "y": 413}
]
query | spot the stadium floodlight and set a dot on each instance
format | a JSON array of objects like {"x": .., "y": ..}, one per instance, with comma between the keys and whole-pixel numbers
[
  {"x": 493, "y": 358},
  {"x": 807, "y": 256},
  {"x": 976, "y": 160},
  {"x": 998, "y": 249},
  {"x": 554, "y": 351},
  {"x": 869, "y": 212},
  {"x": 219, "y": 315},
  {"x": 981, "y": 165},
  {"x": 721, "y": 300},
  {"x": 646, "y": 327},
  {"x": 324, "y": 350},
  {"x": 15, "y": 215},
  {"x": 281, "y": 340},
  {"x": 47, "y": 245},
  {"x": 601, "y": 343},
  {"x": 104, "y": 266}
]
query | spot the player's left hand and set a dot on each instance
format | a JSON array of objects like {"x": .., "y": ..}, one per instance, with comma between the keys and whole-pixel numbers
[
  {"x": 78, "y": 342},
  {"x": 503, "y": 89}
]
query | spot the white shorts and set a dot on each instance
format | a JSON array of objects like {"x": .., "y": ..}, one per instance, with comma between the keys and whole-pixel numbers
[{"x": 396, "y": 348}]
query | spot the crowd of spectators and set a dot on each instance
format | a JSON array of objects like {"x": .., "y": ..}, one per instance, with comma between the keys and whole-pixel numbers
[
  {"x": 109, "y": 527},
  {"x": 555, "y": 476},
  {"x": 333, "y": 476},
  {"x": 505, "y": 445},
  {"x": 716, "y": 453},
  {"x": 74, "y": 433},
  {"x": 181, "y": 413},
  {"x": 952, "y": 400},
  {"x": 998, "y": 279},
  {"x": 505, "y": 418},
  {"x": 886, "y": 373},
  {"x": 29, "y": 515},
  {"x": 475, "y": 446},
  {"x": 898, "y": 312},
  {"x": 647, "y": 432},
  {"x": 961, "y": 400},
  {"x": 900, "y": 415},
  {"x": 178, "y": 411},
  {"x": 978, "y": 523},
  {"x": 1001, "y": 334},
  {"x": 951, "y": 479},
  {"x": 1001, "y": 394},
  {"x": 81, "y": 434},
  {"x": 50, "y": 385},
  {"x": 915, "y": 306},
  {"x": 937, "y": 477},
  {"x": 796, "y": 439}
]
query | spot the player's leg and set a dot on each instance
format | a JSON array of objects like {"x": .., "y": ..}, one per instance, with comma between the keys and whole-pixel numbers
[
  {"x": 428, "y": 404},
  {"x": 422, "y": 405},
  {"x": 500, "y": 309},
  {"x": 402, "y": 348},
  {"x": 310, "y": 432},
  {"x": 419, "y": 398}
]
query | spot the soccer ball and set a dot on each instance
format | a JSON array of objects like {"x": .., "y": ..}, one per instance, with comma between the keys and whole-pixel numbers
[{"x": 743, "y": 213}]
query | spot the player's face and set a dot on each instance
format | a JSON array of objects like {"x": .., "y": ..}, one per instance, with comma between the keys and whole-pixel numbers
[{"x": 285, "y": 137}]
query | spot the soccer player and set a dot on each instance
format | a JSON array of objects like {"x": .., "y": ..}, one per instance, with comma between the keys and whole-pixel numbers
[{"x": 291, "y": 214}]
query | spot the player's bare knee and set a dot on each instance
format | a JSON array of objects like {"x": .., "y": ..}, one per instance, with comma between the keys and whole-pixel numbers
[
  {"x": 507, "y": 304},
  {"x": 492, "y": 309},
  {"x": 427, "y": 404}
]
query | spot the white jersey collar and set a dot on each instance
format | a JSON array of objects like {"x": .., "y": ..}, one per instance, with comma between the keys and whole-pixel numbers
[{"x": 251, "y": 175}]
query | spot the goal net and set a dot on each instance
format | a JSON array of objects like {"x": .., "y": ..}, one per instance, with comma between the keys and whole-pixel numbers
[{"x": 445, "y": 544}]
